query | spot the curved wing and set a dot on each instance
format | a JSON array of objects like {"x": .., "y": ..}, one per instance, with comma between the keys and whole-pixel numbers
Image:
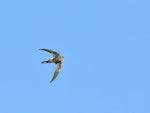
[
  {"x": 58, "y": 66},
  {"x": 54, "y": 53}
]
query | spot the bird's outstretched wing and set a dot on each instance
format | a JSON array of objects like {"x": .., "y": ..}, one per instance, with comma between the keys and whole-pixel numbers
[
  {"x": 58, "y": 66},
  {"x": 54, "y": 53}
]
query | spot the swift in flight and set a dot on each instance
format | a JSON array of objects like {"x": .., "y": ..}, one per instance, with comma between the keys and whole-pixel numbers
[{"x": 57, "y": 59}]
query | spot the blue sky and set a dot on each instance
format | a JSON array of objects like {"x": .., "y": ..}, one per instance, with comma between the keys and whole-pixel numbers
[{"x": 106, "y": 48}]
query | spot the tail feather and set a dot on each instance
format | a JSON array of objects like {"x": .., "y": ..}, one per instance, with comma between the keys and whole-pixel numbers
[{"x": 43, "y": 62}]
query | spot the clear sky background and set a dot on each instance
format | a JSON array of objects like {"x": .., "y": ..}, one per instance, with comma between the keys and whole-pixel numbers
[{"x": 106, "y": 45}]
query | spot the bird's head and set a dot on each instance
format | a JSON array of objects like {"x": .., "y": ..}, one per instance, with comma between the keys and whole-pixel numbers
[{"x": 62, "y": 58}]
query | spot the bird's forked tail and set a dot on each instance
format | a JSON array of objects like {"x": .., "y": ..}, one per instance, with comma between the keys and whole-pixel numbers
[{"x": 46, "y": 61}]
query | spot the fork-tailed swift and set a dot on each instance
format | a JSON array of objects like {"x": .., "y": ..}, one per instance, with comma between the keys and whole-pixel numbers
[{"x": 57, "y": 59}]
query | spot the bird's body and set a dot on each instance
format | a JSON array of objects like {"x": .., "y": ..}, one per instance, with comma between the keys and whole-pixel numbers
[{"x": 57, "y": 59}]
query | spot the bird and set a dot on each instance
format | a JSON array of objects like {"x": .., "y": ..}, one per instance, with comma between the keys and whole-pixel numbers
[{"x": 57, "y": 59}]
